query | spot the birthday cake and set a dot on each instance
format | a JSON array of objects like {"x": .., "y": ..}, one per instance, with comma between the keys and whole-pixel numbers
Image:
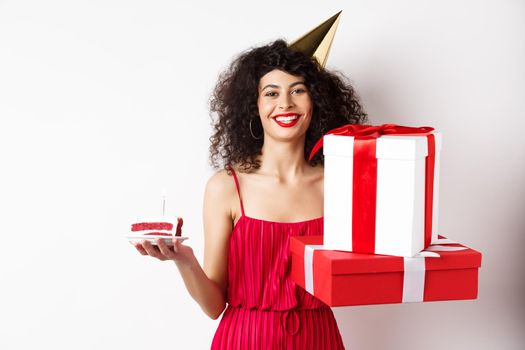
[{"x": 160, "y": 226}]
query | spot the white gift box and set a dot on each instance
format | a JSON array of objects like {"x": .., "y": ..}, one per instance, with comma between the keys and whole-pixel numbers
[{"x": 400, "y": 195}]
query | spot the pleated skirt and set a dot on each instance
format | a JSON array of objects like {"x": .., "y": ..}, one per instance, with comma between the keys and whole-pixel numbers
[{"x": 253, "y": 329}]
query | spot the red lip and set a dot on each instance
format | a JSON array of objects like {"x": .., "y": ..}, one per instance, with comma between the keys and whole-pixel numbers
[{"x": 286, "y": 125}]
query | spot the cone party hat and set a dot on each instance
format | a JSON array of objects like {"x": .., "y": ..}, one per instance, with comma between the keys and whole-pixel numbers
[{"x": 317, "y": 42}]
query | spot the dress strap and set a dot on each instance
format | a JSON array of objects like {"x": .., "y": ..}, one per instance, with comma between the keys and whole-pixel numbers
[{"x": 238, "y": 188}]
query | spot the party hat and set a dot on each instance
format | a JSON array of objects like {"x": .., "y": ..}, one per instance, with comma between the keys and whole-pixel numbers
[{"x": 317, "y": 42}]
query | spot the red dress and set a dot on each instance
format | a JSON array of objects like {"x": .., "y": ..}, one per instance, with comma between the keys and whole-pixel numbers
[{"x": 266, "y": 310}]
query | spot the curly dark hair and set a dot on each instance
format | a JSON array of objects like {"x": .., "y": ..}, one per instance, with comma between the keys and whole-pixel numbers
[{"x": 234, "y": 103}]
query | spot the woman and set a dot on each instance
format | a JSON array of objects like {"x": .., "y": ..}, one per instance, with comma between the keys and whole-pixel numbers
[{"x": 272, "y": 105}]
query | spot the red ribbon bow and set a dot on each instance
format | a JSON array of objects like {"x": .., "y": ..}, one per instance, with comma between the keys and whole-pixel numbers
[
  {"x": 365, "y": 178},
  {"x": 368, "y": 132}
]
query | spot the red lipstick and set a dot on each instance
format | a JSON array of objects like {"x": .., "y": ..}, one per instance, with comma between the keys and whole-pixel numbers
[{"x": 286, "y": 122}]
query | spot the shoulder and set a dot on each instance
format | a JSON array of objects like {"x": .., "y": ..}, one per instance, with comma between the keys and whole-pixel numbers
[
  {"x": 318, "y": 169},
  {"x": 220, "y": 196},
  {"x": 222, "y": 182},
  {"x": 317, "y": 172},
  {"x": 221, "y": 191},
  {"x": 315, "y": 177}
]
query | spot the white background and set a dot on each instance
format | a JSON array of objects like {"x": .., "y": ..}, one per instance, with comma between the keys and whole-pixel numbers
[{"x": 105, "y": 103}]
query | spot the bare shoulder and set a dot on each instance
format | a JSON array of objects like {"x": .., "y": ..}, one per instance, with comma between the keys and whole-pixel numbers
[
  {"x": 220, "y": 183},
  {"x": 220, "y": 193},
  {"x": 317, "y": 173},
  {"x": 319, "y": 170},
  {"x": 315, "y": 179}
]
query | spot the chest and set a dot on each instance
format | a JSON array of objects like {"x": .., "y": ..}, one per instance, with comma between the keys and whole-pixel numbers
[{"x": 284, "y": 203}]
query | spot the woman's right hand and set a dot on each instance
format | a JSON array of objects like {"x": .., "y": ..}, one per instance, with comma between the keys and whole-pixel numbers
[{"x": 180, "y": 253}]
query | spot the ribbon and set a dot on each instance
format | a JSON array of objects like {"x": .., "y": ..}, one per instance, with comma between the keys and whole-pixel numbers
[
  {"x": 413, "y": 279},
  {"x": 309, "y": 266},
  {"x": 365, "y": 178},
  {"x": 414, "y": 272}
]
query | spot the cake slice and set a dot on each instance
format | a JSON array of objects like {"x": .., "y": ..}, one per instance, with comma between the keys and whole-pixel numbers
[{"x": 161, "y": 226}]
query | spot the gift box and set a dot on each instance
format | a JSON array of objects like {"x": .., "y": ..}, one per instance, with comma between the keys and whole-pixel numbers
[
  {"x": 442, "y": 272},
  {"x": 381, "y": 188}
]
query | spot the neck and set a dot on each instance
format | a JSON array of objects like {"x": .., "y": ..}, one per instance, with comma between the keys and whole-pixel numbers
[{"x": 284, "y": 160}]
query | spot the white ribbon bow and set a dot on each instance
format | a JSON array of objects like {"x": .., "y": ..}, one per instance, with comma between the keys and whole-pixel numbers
[{"x": 415, "y": 269}]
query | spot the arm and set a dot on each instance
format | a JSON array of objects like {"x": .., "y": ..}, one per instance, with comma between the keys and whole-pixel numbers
[
  {"x": 206, "y": 286},
  {"x": 217, "y": 221}
]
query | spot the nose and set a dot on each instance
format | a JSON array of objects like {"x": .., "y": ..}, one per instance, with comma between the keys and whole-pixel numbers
[{"x": 285, "y": 101}]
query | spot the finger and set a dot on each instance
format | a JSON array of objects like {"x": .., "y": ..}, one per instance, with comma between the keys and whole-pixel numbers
[
  {"x": 152, "y": 250},
  {"x": 164, "y": 249},
  {"x": 176, "y": 245},
  {"x": 139, "y": 247}
]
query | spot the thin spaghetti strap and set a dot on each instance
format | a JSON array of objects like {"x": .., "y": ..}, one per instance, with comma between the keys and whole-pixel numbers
[{"x": 238, "y": 188}]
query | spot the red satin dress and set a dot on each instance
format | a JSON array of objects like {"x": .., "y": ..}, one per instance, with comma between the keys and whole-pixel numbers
[{"x": 266, "y": 309}]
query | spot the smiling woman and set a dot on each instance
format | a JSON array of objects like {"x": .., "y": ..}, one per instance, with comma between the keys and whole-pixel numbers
[
  {"x": 238, "y": 98},
  {"x": 270, "y": 108},
  {"x": 285, "y": 107}
]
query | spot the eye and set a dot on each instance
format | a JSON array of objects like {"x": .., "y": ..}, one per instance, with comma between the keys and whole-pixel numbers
[
  {"x": 270, "y": 94},
  {"x": 299, "y": 91}
]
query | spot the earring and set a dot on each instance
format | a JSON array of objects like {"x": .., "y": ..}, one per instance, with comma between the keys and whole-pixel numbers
[{"x": 251, "y": 131}]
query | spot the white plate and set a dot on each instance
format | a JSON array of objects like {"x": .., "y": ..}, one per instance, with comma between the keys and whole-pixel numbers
[{"x": 152, "y": 238}]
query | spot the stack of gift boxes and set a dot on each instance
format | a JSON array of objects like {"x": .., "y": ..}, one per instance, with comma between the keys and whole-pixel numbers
[{"x": 380, "y": 242}]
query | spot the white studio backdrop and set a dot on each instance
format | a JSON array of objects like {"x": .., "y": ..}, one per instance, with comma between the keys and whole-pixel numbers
[{"x": 103, "y": 104}]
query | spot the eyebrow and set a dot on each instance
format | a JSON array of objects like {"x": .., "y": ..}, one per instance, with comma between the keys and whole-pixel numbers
[{"x": 277, "y": 86}]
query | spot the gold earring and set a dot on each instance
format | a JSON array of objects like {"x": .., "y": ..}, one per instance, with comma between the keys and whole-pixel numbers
[{"x": 251, "y": 131}]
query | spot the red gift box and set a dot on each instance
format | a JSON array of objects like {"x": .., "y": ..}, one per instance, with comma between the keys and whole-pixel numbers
[{"x": 343, "y": 278}]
